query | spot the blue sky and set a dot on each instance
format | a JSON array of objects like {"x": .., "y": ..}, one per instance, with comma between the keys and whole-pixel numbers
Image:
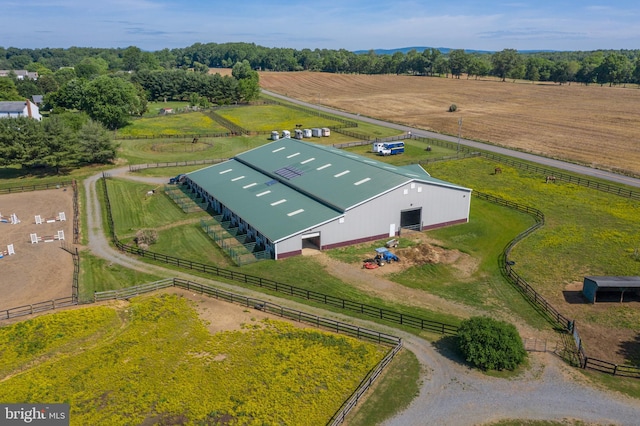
[{"x": 330, "y": 24}]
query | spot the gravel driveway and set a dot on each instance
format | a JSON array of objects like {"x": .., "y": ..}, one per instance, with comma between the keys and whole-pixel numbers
[{"x": 451, "y": 393}]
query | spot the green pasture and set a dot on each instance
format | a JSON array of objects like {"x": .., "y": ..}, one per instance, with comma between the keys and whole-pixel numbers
[
  {"x": 155, "y": 359},
  {"x": 587, "y": 232},
  {"x": 394, "y": 392},
  {"x": 133, "y": 209},
  {"x": 414, "y": 151},
  {"x": 153, "y": 108},
  {"x": 172, "y": 124},
  {"x": 141, "y": 151},
  {"x": 97, "y": 274},
  {"x": 265, "y": 118}
]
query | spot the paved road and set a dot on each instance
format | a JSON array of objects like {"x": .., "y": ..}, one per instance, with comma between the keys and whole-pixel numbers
[
  {"x": 450, "y": 394},
  {"x": 548, "y": 162}
]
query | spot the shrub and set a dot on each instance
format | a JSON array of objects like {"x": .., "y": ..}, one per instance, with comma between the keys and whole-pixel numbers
[
  {"x": 491, "y": 344},
  {"x": 453, "y": 108},
  {"x": 146, "y": 237}
]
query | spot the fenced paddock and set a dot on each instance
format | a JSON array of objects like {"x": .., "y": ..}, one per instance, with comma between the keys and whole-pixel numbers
[{"x": 283, "y": 312}]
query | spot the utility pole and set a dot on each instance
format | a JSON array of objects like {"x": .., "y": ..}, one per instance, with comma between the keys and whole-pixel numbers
[{"x": 459, "y": 132}]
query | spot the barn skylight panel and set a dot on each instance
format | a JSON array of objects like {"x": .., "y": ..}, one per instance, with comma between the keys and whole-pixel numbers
[
  {"x": 237, "y": 178},
  {"x": 295, "y": 212},
  {"x": 279, "y": 149},
  {"x": 249, "y": 186},
  {"x": 289, "y": 172},
  {"x": 360, "y": 182},
  {"x": 324, "y": 167},
  {"x": 260, "y": 194},
  {"x": 226, "y": 171},
  {"x": 275, "y": 203},
  {"x": 307, "y": 160},
  {"x": 293, "y": 155},
  {"x": 341, "y": 173}
]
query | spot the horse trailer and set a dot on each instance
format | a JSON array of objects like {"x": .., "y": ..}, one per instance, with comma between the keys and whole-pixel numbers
[{"x": 388, "y": 148}]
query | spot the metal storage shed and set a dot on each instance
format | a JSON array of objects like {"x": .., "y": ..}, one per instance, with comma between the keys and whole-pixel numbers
[{"x": 594, "y": 286}]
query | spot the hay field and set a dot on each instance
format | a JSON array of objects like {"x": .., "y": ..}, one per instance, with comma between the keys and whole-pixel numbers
[{"x": 591, "y": 125}]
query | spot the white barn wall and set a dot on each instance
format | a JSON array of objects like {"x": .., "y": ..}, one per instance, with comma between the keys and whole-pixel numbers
[{"x": 440, "y": 205}]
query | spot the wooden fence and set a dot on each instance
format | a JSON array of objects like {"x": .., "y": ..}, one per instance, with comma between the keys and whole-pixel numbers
[
  {"x": 138, "y": 167},
  {"x": 34, "y": 308},
  {"x": 37, "y": 187}
]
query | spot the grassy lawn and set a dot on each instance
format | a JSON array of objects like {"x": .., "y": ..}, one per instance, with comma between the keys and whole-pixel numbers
[
  {"x": 587, "y": 232},
  {"x": 141, "y": 151},
  {"x": 398, "y": 386},
  {"x": 133, "y": 210},
  {"x": 97, "y": 274},
  {"x": 155, "y": 359},
  {"x": 172, "y": 124},
  {"x": 264, "y": 118}
]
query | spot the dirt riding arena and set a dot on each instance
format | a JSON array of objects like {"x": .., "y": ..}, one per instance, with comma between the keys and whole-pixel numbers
[{"x": 41, "y": 271}]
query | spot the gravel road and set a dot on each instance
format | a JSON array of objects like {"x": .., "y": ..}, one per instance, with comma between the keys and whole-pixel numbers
[{"x": 451, "y": 393}]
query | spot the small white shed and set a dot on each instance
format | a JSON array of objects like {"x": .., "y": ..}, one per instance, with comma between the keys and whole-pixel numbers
[
  {"x": 316, "y": 132},
  {"x": 297, "y": 133},
  {"x": 286, "y": 134},
  {"x": 306, "y": 133},
  {"x": 275, "y": 135},
  {"x": 326, "y": 131}
]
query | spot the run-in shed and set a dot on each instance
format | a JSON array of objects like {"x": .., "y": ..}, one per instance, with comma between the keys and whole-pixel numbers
[{"x": 606, "y": 287}]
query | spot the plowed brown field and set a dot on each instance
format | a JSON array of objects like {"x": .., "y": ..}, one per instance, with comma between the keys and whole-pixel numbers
[{"x": 592, "y": 125}]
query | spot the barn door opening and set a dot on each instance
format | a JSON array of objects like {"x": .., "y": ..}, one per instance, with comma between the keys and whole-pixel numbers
[
  {"x": 411, "y": 219},
  {"x": 311, "y": 241}
]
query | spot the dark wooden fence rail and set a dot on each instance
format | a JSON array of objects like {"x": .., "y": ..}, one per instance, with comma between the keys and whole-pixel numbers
[
  {"x": 344, "y": 304},
  {"x": 284, "y": 312},
  {"x": 138, "y": 167},
  {"x": 36, "y": 187},
  {"x": 34, "y": 308},
  {"x": 506, "y": 266},
  {"x": 353, "y": 400},
  {"x": 76, "y": 213}
]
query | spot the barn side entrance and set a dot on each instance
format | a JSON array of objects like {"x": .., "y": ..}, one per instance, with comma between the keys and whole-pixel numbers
[
  {"x": 411, "y": 219},
  {"x": 311, "y": 243}
]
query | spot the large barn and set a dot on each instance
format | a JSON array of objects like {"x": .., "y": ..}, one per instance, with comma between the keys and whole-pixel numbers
[{"x": 289, "y": 194}]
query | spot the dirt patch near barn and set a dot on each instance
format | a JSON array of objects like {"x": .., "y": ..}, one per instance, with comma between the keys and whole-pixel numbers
[
  {"x": 42, "y": 271},
  {"x": 377, "y": 283}
]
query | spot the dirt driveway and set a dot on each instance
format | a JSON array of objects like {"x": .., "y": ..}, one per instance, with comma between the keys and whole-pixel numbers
[{"x": 42, "y": 271}]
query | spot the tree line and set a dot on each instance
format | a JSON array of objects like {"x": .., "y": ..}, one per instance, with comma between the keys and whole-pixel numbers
[
  {"x": 59, "y": 142},
  {"x": 611, "y": 67}
]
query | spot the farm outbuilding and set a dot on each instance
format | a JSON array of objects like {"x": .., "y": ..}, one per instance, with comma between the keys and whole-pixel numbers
[
  {"x": 289, "y": 193},
  {"x": 610, "y": 288}
]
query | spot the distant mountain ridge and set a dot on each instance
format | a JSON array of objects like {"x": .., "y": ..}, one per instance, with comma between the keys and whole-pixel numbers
[{"x": 443, "y": 50}]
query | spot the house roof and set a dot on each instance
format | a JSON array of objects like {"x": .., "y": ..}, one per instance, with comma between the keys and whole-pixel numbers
[
  {"x": 12, "y": 106},
  {"x": 287, "y": 186},
  {"x": 37, "y": 99}
]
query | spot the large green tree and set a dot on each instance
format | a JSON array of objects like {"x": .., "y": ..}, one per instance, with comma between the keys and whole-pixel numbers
[
  {"x": 112, "y": 101},
  {"x": 8, "y": 90},
  {"x": 248, "y": 81},
  {"x": 95, "y": 144},
  {"x": 505, "y": 62}
]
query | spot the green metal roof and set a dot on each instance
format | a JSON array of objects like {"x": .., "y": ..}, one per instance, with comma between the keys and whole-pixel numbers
[
  {"x": 275, "y": 210},
  {"x": 334, "y": 177},
  {"x": 316, "y": 182}
]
